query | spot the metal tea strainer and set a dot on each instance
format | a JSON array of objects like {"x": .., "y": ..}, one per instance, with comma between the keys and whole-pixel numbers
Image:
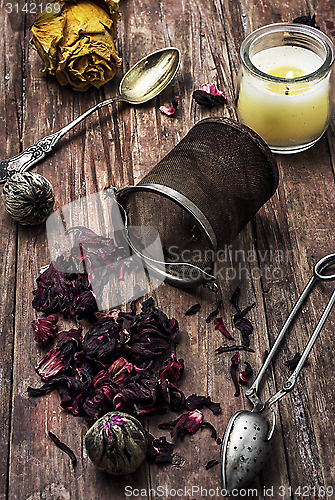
[
  {"x": 198, "y": 198},
  {"x": 247, "y": 440}
]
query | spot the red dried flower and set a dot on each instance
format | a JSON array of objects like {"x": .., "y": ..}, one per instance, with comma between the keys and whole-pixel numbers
[
  {"x": 246, "y": 374},
  {"x": 172, "y": 369},
  {"x": 120, "y": 371},
  {"x": 214, "y": 313},
  {"x": 209, "y": 95},
  {"x": 159, "y": 450},
  {"x": 186, "y": 423},
  {"x": 220, "y": 326},
  {"x": 61, "y": 357},
  {"x": 195, "y": 402},
  {"x": 170, "y": 111}
]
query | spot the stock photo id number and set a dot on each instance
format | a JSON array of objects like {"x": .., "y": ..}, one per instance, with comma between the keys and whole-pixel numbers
[{"x": 32, "y": 8}]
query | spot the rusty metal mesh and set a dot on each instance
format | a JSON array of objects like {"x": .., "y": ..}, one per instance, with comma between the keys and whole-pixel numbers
[{"x": 221, "y": 169}]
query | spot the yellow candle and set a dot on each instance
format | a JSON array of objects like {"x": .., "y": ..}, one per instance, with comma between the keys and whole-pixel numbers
[
  {"x": 285, "y": 113},
  {"x": 284, "y": 89}
]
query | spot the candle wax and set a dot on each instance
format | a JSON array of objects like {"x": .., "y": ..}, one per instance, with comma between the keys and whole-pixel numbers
[{"x": 284, "y": 113}]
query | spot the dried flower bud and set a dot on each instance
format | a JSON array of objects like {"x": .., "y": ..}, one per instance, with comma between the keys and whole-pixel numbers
[
  {"x": 28, "y": 197},
  {"x": 169, "y": 111},
  {"x": 209, "y": 95}
]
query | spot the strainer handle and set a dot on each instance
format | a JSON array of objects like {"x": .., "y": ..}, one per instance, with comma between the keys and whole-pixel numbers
[
  {"x": 252, "y": 393},
  {"x": 321, "y": 265},
  {"x": 289, "y": 384}
]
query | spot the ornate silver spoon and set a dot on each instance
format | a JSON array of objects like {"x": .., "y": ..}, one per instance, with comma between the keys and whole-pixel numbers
[{"x": 142, "y": 82}]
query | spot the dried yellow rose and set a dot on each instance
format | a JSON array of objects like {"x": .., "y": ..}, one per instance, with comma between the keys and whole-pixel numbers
[{"x": 75, "y": 40}]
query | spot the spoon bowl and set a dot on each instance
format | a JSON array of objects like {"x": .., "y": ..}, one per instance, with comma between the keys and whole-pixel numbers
[{"x": 150, "y": 76}]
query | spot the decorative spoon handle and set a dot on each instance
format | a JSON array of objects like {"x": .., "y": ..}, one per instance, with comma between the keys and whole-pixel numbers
[{"x": 33, "y": 154}]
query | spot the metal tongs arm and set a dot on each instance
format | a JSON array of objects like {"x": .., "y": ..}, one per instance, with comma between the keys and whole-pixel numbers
[
  {"x": 252, "y": 393},
  {"x": 289, "y": 384}
]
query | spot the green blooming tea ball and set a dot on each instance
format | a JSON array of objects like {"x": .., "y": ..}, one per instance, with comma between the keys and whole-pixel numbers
[
  {"x": 28, "y": 197},
  {"x": 116, "y": 443}
]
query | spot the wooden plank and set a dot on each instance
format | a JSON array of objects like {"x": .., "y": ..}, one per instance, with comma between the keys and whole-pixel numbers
[
  {"x": 118, "y": 146},
  {"x": 10, "y": 123}
]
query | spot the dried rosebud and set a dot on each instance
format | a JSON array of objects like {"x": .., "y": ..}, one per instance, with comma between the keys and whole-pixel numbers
[
  {"x": 170, "y": 111},
  {"x": 209, "y": 95},
  {"x": 45, "y": 328},
  {"x": 308, "y": 20},
  {"x": 76, "y": 41}
]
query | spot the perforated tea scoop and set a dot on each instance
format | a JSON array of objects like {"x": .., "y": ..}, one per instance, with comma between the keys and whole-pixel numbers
[{"x": 247, "y": 440}]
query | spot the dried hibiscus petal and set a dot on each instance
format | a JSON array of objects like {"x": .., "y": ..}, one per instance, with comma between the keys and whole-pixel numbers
[
  {"x": 211, "y": 427},
  {"x": 170, "y": 111},
  {"x": 220, "y": 326},
  {"x": 84, "y": 305},
  {"x": 64, "y": 448},
  {"x": 172, "y": 369},
  {"x": 211, "y": 464},
  {"x": 292, "y": 363},
  {"x": 187, "y": 423},
  {"x": 54, "y": 291},
  {"x": 240, "y": 322},
  {"x": 233, "y": 367},
  {"x": 209, "y": 95},
  {"x": 159, "y": 450},
  {"x": 120, "y": 371},
  {"x": 45, "y": 328},
  {"x": 195, "y": 402},
  {"x": 214, "y": 313},
  {"x": 309, "y": 20},
  {"x": 231, "y": 348},
  {"x": 246, "y": 374},
  {"x": 61, "y": 357},
  {"x": 193, "y": 310}
]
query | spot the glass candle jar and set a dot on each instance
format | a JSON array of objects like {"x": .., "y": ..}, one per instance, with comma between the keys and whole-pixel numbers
[{"x": 285, "y": 85}]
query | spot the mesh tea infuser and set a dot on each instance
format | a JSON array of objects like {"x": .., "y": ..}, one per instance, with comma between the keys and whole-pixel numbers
[
  {"x": 248, "y": 438},
  {"x": 198, "y": 198}
]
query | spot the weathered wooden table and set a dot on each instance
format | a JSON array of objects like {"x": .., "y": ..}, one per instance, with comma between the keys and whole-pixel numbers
[{"x": 118, "y": 145}]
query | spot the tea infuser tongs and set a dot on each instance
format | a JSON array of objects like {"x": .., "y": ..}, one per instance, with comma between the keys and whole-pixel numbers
[{"x": 247, "y": 440}]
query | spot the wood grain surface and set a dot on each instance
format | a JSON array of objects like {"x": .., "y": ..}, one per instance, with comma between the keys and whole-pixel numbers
[{"x": 273, "y": 257}]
